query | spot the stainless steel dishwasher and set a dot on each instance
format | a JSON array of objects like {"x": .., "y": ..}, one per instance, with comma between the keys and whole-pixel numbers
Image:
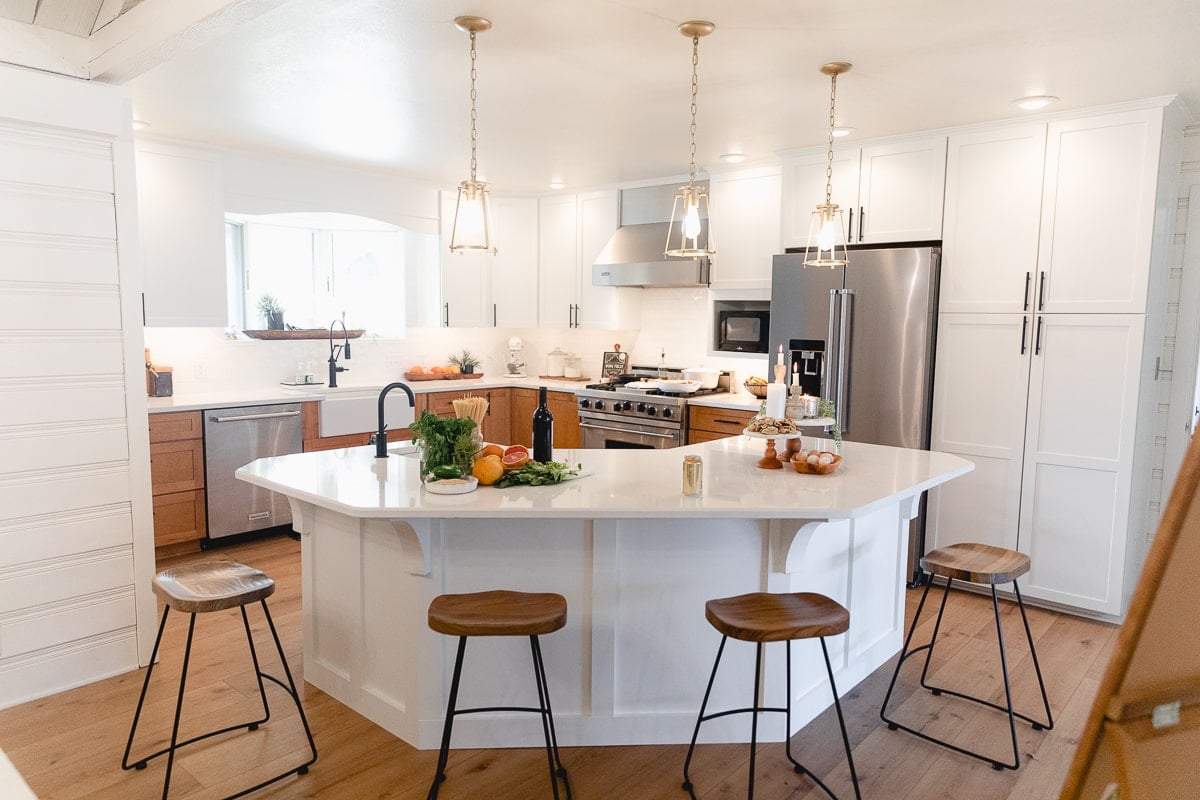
[{"x": 233, "y": 437}]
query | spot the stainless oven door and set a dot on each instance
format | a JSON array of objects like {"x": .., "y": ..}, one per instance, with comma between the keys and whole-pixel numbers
[{"x": 613, "y": 432}]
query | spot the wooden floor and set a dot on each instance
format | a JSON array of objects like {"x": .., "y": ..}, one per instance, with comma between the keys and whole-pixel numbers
[{"x": 70, "y": 745}]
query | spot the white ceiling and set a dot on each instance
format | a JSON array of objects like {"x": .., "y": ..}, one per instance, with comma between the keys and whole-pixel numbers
[{"x": 596, "y": 92}]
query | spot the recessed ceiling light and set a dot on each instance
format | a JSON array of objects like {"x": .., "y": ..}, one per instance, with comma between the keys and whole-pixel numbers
[
  {"x": 843, "y": 130},
  {"x": 138, "y": 124},
  {"x": 1034, "y": 103},
  {"x": 557, "y": 184},
  {"x": 733, "y": 158}
]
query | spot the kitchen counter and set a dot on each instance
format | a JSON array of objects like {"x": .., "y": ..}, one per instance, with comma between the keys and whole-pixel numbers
[
  {"x": 735, "y": 401},
  {"x": 636, "y": 561}
]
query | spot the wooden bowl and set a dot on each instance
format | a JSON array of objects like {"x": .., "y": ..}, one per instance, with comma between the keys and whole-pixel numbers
[
  {"x": 756, "y": 389},
  {"x": 802, "y": 465}
]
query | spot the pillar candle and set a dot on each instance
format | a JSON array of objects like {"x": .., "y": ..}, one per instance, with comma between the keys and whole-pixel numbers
[{"x": 776, "y": 400}]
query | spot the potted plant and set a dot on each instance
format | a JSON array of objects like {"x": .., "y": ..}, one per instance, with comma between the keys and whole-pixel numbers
[
  {"x": 465, "y": 362},
  {"x": 271, "y": 312}
]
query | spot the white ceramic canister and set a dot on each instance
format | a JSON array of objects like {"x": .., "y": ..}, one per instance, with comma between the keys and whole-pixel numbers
[
  {"x": 573, "y": 366},
  {"x": 555, "y": 363}
]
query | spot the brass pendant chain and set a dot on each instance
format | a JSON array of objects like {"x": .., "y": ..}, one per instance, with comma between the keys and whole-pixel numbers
[
  {"x": 473, "y": 135},
  {"x": 695, "y": 87},
  {"x": 829, "y": 164}
]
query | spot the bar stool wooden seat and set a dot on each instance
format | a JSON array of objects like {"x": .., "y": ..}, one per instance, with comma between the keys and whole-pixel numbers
[
  {"x": 982, "y": 564},
  {"x": 201, "y": 588},
  {"x": 500, "y": 613},
  {"x": 760, "y": 617}
]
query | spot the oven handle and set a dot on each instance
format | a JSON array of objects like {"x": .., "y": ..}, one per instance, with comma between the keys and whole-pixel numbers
[{"x": 627, "y": 430}]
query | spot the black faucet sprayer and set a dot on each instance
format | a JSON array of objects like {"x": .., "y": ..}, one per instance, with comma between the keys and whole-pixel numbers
[
  {"x": 334, "y": 350},
  {"x": 380, "y": 436}
]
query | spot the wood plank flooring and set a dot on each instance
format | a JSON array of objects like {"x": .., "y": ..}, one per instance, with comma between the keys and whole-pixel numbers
[{"x": 69, "y": 746}]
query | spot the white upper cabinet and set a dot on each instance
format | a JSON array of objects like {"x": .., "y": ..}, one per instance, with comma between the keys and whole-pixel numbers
[
  {"x": 1098, "y": 212},
  {"x": 993, "y": 219},
  {"x": 890, "y": 191},
  {"x": 181, "y": 215},
  {"x": 572, "y": 230},
  {"x": 745, "y": 211},
  {"x": 484, "y": 290}
]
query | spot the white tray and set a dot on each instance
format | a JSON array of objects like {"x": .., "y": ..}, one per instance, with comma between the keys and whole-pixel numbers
[{"x": 437, "y": 487}]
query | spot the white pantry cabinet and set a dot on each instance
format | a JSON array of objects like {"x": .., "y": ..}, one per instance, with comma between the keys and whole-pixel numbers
[
  {"x": 890, "y": 191},
  {"x": 745, "y": 211},
  {"x": 572, "y": 230},
  {"x": 181, "y": 202},
  {"x": 485, "y": 290},
  {"x": 1045, "y": 406}
]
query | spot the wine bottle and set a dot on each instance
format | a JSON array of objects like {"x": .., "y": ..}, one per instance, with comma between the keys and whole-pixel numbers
[{"x": 543, "y": 430}]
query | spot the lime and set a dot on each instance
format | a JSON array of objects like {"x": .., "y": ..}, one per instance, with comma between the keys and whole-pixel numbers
[{"x": 447, "y": 471}]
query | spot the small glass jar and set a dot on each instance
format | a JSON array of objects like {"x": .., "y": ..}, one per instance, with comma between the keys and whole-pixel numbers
[{"x": 693, "y": 476}]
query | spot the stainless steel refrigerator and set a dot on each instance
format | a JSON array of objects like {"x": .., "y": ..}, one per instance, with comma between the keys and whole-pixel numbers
[{"x": 863, "y": 336}]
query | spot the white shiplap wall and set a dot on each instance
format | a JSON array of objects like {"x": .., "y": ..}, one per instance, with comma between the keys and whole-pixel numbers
[{"x": 76, "y": 547}]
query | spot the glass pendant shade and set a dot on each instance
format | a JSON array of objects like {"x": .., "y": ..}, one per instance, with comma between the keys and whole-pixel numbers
[
  {"x": 826, "y": 238},
  {"x": 472, "y": 231},
  {"x": 688, "y": 234}
]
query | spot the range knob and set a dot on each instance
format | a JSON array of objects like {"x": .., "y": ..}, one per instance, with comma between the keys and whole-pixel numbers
[
  {"x": 651, "y": 411},
  {"x": 641, "y": 406},
  {"x": 628, "y": 405},
  {"x": 666, "y": 413},
  {"x": 585, "y": 403},
  {"x": 599, "y": 405}
]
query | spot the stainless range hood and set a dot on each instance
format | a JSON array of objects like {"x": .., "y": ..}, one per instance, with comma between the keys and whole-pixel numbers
[{"x": 634, "y": 254}]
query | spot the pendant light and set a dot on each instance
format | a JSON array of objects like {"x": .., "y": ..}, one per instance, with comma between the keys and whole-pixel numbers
[
  {"x": 827, "y": 235},
  {"x": 472, "y": 231},
  {"x": 687, "y": 236}
]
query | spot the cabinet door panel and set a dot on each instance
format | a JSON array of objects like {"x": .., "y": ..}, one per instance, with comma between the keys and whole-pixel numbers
[
  {"x": 745, "y": 228},
  {"x": 497, "y": 426},
  {"x": 598, "y": 219},
  {"x": 465, "y": 302},
  {"x": 1101, "y": 175},
  {"x": 557, "y": 255},
  {"x": 992, "y": 220},
  {"x": 565, "y": 411},
  {"x": 1078, "y": 458},
  {"x": 523, "y": 402},
  {"x": 901, "y": 189},
  {"x": 515, "y": 265},
  {"x": 979, "y": 402},
  {"x": 804, "y": 188}
]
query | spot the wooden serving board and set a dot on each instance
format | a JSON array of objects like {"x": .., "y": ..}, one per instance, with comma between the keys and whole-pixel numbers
[
  {"x": 561, "y": 378},
  {"x": 303, "y": 333}
]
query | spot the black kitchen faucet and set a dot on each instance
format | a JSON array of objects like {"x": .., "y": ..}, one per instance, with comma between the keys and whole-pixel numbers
[{"x": 335, "y": 350}]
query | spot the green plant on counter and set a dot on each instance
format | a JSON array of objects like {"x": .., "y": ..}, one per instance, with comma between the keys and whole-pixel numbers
[
  {"x": 444, "y": 443},
  {"x": 465, "y": 361},
  {"x": 271, "y": 312},
  {"x": 828, "y": 409}
]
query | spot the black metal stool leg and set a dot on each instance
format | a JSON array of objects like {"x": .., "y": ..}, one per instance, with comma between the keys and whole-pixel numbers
[
  {"x": 905, "y": 652},
  {"x": 137, "y": 714},
  {"x": 800, "y": 768},
  {"x": 540, "y": 665},
  {"x": 444, "y": 753},
  {"x": 187, "y": 655},
  {"x": 1012, "y": 722},
  {"x": 543, "y": 698},
  {"x": 937, "y": 627},
  {"x": 291, "y": 688},
  {"x": 1049, "y": 723},
  {"x": 258, "y": 673},
  {"x": 687, "y": 782},
  {"x": 758, "y": 650}
]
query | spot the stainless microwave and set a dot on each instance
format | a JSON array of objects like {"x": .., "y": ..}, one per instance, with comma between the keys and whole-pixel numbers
[{"x": 743, "y": 331}]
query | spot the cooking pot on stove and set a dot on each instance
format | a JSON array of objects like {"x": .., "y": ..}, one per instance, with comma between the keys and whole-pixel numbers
[{"x": 707, "y": 378}]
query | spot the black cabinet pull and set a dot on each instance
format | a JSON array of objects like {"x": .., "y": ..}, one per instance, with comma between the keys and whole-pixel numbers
[
  {"x": 447, "y": 316},
  {"x": 1024, "y": 328},
  {"x": 1037, "y": 348},
  {"x": 1028, "y": 281},
  {"x": 1041, "y": 290},
  {"x": 493, "y": 315},
  {"x": 850, "y": 227},
  {"x": 862, "y": 221}
]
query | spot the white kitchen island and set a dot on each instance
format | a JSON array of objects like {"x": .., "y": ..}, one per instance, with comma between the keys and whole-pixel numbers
[{"x": 636, "y": 561}]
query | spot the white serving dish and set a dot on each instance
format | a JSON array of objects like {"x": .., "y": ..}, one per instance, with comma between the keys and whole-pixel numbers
[
  {"x": 678, "y": 387},
  {"x": 706, "y": 377},
  {"x": 640, "y": 386},
  {"x": 438, "y": 487}
]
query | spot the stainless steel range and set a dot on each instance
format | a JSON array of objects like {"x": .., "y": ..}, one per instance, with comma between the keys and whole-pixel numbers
[{"x": 621, "y": 415}]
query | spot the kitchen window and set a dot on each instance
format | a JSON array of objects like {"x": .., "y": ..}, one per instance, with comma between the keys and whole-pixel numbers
[{"x": 321, "y": 267}]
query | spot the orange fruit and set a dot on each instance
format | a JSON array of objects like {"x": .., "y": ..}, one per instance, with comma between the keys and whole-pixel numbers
[
  {"x": 515, "y": 457},
  {"x": 491, "y": 450},
  {"x": 416, "y": 370},
  {"x": 516, "y": 448},
  {"x": 455, "y": 369},
  {"x": 488, "y": 470}
]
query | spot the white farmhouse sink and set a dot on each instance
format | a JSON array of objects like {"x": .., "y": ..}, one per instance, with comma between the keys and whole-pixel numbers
[{"x": 356, "y": 410}]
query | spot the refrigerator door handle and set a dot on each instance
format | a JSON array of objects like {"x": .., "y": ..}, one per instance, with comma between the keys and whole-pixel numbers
[{"x": 841, "y": 310}]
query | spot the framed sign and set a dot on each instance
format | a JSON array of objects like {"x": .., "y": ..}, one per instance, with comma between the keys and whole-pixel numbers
[{"x": 615, "y": 363}]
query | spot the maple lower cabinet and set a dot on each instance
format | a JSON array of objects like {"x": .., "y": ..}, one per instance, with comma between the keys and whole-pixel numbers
[
  {"x": 563, "y": 408},
  {"x": 706, "y": 424},
  {"x": 496, "y": 427},
  {"x": 1047, "y": 408},
  {"x": 177, "y": 477}
]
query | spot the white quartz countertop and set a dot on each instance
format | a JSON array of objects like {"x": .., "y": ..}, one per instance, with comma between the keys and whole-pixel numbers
[
  {"x": 228, "y": 398},
  {"x": 736, "y": 401},
  {"x": 617, "y": 484}
]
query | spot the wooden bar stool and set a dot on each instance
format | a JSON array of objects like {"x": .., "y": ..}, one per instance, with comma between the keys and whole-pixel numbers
[
  {"x": 760, "y": 617},
  {"x": 198, "y": 589},
  {"x": 984, "y": 564},
  {"x": 500, "y": 613}
]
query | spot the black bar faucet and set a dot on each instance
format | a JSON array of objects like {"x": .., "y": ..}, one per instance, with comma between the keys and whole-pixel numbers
[
  {"x": 334, "y": 350},
  {"x": 380, "y": 437}
]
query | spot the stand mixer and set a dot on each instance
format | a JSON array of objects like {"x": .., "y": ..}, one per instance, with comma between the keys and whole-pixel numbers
[{"x": 515, "y": 364}]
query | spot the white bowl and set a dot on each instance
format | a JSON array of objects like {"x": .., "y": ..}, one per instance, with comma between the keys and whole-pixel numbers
[
  {"x": 707, "y": 378},
  {"x": 678, "y": 387}
]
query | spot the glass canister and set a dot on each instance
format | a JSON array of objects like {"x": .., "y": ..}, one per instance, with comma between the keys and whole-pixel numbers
[
  {"x": 555, "y": 363},
  {"x": 573, "y": 366}
]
